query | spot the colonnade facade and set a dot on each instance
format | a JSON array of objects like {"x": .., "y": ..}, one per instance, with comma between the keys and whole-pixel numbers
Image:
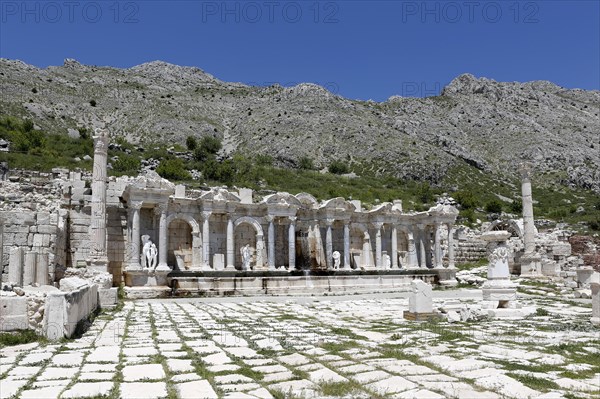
[{"x": 221, "y": 228}]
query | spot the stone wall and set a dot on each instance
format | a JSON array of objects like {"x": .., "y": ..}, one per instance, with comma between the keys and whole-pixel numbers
[
  {"x": 41, "y": 235},
  {"x": 77, "y": 201}
]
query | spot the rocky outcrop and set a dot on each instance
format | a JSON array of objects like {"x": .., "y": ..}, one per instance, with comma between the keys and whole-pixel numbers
[{"x": 474, "y": 123}]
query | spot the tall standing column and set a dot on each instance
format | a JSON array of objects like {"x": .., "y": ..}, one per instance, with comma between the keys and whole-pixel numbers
[
  {"x": 451, "y": 264},
  {"x": 437, "y": 250},
  {"x": 378, "y": 260},
  {"x": 347, "y": 245},
  {"x": 528, "y": 224},
  {"x": 422, "y": 251},
  {"x": 163, "y": 231},
  {"x": 230, "y": 245},
  {"x": 271, "y": 242},
  {"x": 98, "y": 259},
  {"x": 530, "y": 260},
  {"x": 394, "y": 247},
  {"x": 329, "y": 243},
  {"x": 206, "y": 240},
  {"x": 292, "y": 243},
  {"x": 133, "y": 210}
]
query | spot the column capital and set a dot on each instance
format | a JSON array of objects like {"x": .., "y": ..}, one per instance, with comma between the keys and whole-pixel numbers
[
  {"x": 270, "y": 218},
  {"x": 377, "y": 225},
  {"x": 206, "y": 214},
  {"x": 293, "y": 219},
  {"x": 161, "y": 208},
  {"x": 329, "y": 221},
  {"x": 137, "y": 205}
]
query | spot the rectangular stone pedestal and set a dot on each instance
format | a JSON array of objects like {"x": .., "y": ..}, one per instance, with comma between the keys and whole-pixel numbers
[
  {"x": 420, "y": 316},
  {"x": 145, "y": 278},
  {"x": 108, "y": 297}
]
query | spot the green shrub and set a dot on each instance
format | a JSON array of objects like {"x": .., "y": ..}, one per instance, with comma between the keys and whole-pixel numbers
[
  {"x": 338, "y": 168},
  {"x": 191, "y": 143},
  {"x": 173, "y": 169},
  {"x": 466, "y": 199},
  {"x": 493, "y": 206},
  {"x": 211, "y": 145},
  {"x": 424, "y": 193},
  {"x": 306, "y": 163},
  {"x": 264, "y": 160},
  {"x": 468, "y": 215},
  {"x": 516, "y": 206},
  {"x": 127, "y": 163}
]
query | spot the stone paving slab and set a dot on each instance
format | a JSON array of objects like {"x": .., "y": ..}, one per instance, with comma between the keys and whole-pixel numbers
[{"x": 197, "y": 348}]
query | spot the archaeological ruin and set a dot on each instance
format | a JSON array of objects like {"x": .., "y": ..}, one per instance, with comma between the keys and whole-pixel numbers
[{"x": 65, "y": 255}]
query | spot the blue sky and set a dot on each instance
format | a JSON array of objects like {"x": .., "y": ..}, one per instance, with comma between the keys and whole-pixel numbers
[{"x": 359, "y": 49}]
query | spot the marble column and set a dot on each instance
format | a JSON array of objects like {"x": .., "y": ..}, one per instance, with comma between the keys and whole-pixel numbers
[
  {"x": 271, "y": 243},
  {"x": 98, "y": 259},
  {"x": 530, "y": 260},
  {"x": 163, "y": 236},
  {"x": 15, "y": 266},
  {"x": 411, "y": 259},
  {"x": 378, "y": 259},
  {"x": 346, "y": 245},
  {"x": 451, "y": 264},
  {"x": 206, "y": 240},
  {"x": 329, "y": 243},
  {"x": 260, "y": 247},
  {"x": 528, "y": 223},
  {"x": 133, "y": 209},
  {"x": 422, "y": 251},
  {"x": 41, "y": 270},
  {"x": 394, "y": 247},
  {"x": 230, "y": 245},
  {"x": 292, "y": 243},
  {"x": 29, "y": 268},
  {"x": 437, "y": 250}
]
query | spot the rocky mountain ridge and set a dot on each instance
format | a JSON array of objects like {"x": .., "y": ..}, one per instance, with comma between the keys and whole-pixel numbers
[{"x": 474, "y": 123}]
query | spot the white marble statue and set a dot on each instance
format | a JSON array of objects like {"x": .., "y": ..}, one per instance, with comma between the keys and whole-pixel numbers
[
  {"x": 387, "y": 261},
  {"x": 246, "y": 253},
  {"x": 149, "y": 253},
  {"x": 336, "y": 259}
]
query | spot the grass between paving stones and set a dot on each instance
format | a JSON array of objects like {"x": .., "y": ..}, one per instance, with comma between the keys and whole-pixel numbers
[
  {"x": 32, "y": 379},
  {"x": 347, "y": 332},
  {"x": 533, "y": 382},
  {"x": 336, "y": 347},
  {"x": 20, "y": 337},
  {"x": 340, "y": 389},
  {"x": 199, "y": 366},
  {"x": 160, "y": 359}
]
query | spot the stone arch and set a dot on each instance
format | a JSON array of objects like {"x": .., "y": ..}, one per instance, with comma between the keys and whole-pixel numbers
[
  {"x": 255, "y": 241},
  {"x": 512, "y": 226},
  {"x": 187, "y": 242}
]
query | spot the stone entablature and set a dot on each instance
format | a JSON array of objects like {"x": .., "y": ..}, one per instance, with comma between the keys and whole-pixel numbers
[{"x": 209, "y": 231}]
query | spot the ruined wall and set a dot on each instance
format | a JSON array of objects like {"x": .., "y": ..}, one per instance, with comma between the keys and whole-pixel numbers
[
  {"x": 79, "y": 216},
  {"x": 41, "y": 233}
]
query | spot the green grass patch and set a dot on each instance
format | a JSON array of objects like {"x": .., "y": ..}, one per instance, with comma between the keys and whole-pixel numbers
[
  {"x": 20, "y": 337},
  {"x": 336, "y": 347},
  {"x": 347, "y": 332},
  {"x": 539, "y": 384},
  {"x": 340, "y": 389}
]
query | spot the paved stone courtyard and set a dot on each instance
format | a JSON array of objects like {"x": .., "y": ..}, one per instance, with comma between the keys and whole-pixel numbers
[{"x": 313, "y": 347}]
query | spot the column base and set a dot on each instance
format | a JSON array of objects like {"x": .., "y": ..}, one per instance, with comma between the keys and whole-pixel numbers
[
  {"x": 531, "y": 265},
  {"x": 146, "y": 278},
  {"x": 163, "y": 268},
  {"x": 98, "y": 264},
  {"x": 133, "y": 268}
]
